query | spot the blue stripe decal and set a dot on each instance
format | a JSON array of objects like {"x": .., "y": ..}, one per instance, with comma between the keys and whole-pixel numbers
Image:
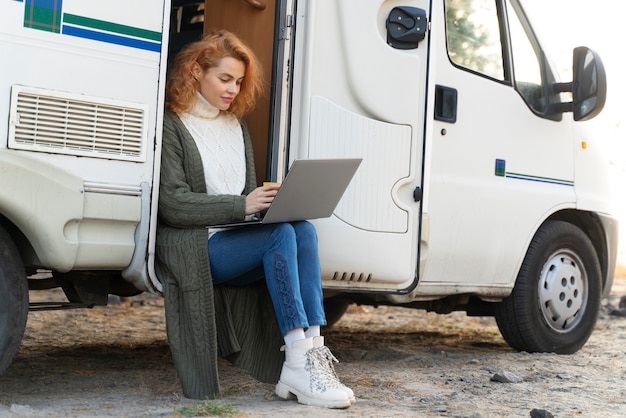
[
  {"x": 540, "y": 180},
  {"x": 109, "y": 38}
]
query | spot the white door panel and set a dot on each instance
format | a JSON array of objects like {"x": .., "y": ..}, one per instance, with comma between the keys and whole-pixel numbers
[
  {"x": 357, "y": 96},
  {"x": 367, "y": 204}
]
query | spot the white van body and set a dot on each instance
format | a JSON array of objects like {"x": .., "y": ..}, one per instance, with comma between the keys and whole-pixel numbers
[
  {"x": 465, "y": 167},
  {"x": 474, "y": 224}
]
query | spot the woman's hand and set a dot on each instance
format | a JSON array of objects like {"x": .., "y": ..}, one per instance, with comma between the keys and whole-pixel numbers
[{"x": 261, "y": 198}]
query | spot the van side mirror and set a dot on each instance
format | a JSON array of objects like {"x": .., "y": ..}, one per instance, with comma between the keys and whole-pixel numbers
[{"x": 588, "y": 87}]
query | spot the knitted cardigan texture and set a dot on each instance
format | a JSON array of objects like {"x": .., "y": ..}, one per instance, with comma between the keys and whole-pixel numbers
[{"x": 204, "y": 321}]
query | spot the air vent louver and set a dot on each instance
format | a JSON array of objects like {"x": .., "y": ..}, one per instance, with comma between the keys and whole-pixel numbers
[
  {"x": 352, "y": 277},
  {"x": 76, "y": 125}
]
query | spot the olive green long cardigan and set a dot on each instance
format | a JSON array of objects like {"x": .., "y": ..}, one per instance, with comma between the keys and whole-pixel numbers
[{"x": 204, "y": 321}]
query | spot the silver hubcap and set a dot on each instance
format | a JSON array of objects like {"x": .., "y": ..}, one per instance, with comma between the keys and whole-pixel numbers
[{"x": 562, "y": 290}]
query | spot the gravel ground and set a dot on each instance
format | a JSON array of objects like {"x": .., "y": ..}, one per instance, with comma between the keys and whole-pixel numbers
[{"x": 114, "y": 361}]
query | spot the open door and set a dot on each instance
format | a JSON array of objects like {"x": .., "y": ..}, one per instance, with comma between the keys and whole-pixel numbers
[
  {"x": 253, "y": 21},
  {"x": 264, "y": 25},
  {"x": 359, "y": 90},
  {"x": 345, "y": 79}
]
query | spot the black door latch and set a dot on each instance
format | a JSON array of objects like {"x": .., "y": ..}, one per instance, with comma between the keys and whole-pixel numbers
[{"x": 406, "y": 27}]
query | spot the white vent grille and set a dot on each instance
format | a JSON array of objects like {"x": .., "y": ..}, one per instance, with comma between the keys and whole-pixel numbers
[{"x": 61, "y": 123}]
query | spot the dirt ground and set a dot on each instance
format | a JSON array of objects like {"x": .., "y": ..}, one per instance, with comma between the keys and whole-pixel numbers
[{"x": 114, "y": 361}]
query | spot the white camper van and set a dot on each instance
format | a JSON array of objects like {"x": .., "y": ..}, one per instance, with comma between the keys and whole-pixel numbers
[{"x": 479, "y": 188}]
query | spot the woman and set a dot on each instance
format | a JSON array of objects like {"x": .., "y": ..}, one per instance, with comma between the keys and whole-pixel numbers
[{"x": 208, "y": 178}]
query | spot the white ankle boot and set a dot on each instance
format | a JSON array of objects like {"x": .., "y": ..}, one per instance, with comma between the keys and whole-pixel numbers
[
  {"x": 318, "y": 343},
  {"x": 306, "y": 376}
]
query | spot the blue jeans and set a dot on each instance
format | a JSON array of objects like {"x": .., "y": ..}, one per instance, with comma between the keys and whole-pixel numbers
[{"x": 286, "y": 254}]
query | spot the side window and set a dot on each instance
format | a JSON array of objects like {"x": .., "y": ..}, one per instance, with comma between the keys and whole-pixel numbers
[
  {"x": 526, "y": 63},
  {"x": 473, "y": 36}
]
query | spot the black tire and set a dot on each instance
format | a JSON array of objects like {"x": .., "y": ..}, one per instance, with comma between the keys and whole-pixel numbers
[
  {"x": 13, "y": 300},
  {"x": 335, "y": 308},
  {"x": 556, "y": 299}
]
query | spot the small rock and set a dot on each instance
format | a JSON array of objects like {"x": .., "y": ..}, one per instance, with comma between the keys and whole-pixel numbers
[
  {"x": 618, "y": 312},
  {"x": 114, "y": 300},
  {"x": 506, "y": 377},
  {"x": 540, "y": 413},
  {"x": 564, "y": 376},
  {"x": 622, "y": 302},
  {"x": 428, "y": 399}
]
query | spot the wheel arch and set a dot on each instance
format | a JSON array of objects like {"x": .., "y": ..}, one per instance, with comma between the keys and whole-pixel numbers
[
  {"x": 40, "y": 200},
  {"x": 602, "y": 231}
]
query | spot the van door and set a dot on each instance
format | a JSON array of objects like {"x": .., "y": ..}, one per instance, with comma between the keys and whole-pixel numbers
[
  {"x": 504, "y": 162},
  {"x": 359, "y": 90}
]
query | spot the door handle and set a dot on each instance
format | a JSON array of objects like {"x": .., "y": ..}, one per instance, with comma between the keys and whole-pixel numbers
[
  {"x": 256, "y": 4},
  {"x": 445, "y": 104}
]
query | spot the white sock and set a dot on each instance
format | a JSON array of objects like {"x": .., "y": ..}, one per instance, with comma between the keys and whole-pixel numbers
[
  {"x": 312, "y": 331},
  {"x": 294, "y": 335}
]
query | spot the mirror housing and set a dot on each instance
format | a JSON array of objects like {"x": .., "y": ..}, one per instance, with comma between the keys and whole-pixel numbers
[{"x": 588, "y": 87}]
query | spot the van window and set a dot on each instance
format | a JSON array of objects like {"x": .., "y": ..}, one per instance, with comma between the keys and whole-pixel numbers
[
  {"x": 486, "y": 38},
  {"x": 526, "y": 63},
  {"x": 473, "y": 36}
]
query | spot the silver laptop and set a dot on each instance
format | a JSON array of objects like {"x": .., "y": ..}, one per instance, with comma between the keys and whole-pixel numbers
[{"x": 311, "y": 190}]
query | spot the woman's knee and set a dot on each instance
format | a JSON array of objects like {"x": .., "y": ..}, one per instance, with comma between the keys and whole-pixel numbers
[
  {"x": 284, "y": 232},
  {"x": 305, "y": 231}
]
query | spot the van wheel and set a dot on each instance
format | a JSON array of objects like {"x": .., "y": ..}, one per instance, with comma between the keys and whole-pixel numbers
[
  {"x": 556, "y": 299},
  {"x": 13, "y": 300}
]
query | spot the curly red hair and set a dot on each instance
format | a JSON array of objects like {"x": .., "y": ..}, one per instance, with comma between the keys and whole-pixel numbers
[{"x": 208, "y": 52}]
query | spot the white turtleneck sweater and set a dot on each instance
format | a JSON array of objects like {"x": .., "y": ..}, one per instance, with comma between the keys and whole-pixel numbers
[{"x": 219, "y": 138}]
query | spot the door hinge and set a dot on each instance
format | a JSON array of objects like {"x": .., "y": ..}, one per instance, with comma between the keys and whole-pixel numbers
[{"x": 285, "y": 31}]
